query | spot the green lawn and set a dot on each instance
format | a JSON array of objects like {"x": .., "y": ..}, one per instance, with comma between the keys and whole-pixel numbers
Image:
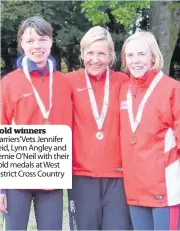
[{"x": 32, "y": 222}]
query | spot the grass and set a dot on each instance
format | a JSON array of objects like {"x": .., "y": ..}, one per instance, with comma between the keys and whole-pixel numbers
[{"x": 32, "y": 221}]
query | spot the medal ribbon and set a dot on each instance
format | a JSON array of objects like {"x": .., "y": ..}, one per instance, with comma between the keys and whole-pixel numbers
[
  {"x": 39, "y": 101},
  {"x": 135, "y": 124},
  {"x": 99, "y": 118}
]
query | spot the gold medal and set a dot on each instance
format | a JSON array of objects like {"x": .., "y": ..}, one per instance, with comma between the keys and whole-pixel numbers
[
  {"x": 46, "y": 122},
  {"x": 133, "y": 140}
]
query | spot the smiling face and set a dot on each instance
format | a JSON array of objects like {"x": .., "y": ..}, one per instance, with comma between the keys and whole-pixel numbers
[
  {"x": 37, "y": 48},
  {"x": 139, "y": 58},
  {"x": 96, "y": 57}
]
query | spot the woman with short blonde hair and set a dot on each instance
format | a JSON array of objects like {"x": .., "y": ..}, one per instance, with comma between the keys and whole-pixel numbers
[
  {"x": 98, "y": 33},
  {"x": 97, "y": 200},
  {"x": 150, "y": 137},
  {"x": 151, "y": 41}
]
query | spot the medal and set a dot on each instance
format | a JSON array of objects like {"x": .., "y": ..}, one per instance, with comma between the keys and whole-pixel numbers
[
  {"x": 133, "y": 140},
  {"x": 99, "y": 118},
  {"x": 135, "y": 123},
  {"x": 99, "y": 135},
  {"x": 46, "y": 122}
]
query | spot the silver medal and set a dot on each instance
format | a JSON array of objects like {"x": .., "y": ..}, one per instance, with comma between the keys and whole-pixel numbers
[{"x": 99, "y": 135}]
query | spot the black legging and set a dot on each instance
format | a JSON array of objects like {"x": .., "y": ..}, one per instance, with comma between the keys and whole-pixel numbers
[{"x": 48, "y": 207}]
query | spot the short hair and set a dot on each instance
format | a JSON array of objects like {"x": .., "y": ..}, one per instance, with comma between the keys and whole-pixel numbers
[
  {"x": 97, "y": 33},
  {"x": 40, "y": 25},
  {"x": 151, "y": 40}
]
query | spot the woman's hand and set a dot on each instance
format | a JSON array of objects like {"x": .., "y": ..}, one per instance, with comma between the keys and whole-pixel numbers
[{"x": 3, "y": 203}]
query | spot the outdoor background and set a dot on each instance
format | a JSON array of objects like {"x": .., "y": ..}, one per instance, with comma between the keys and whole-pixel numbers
[{"x": 71, "y": 19}]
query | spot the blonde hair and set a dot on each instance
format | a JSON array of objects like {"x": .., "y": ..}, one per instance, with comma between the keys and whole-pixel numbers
[
  {"x": 98, "y": 33},
  {"x": 151, "y": 40}
]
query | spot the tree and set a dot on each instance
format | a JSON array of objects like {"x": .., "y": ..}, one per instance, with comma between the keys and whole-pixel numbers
[
  {"x": 118, "y": 16},
  {"x": 125, "y": 12},
  {"x": 165, "y": 23},
  {"x": 66, "y": 19},
  {"x": 70, "y": 20},
  {"x": 164, "y": 19}
]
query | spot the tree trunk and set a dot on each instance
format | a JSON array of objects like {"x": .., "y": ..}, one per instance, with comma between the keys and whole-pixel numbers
[{"x": 165, "y": 24}]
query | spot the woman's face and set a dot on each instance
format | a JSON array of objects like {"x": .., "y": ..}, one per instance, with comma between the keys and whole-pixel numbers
[
  {"x": 96, "y": 57},
  {"x": 37, "y": 48},
  {"x": 138, "y": 57}
]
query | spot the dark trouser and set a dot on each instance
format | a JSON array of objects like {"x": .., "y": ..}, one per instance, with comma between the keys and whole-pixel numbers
[
  {"x": 48, "y": 206},
  {"x": 98, "y": 204},
  {"x": 147, "y": 218}
]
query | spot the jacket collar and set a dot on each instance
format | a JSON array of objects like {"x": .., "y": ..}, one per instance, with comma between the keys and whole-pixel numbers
[
  {"x": 100, "y": 79},
  {"x": 33, "y": 67},
  {"x": 145, "y": 81}
]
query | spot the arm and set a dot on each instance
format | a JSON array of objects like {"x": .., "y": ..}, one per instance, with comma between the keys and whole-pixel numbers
[
  {"x": 5, "y": 118},
  {"x": 175, "y": 105},
  {"x": 61, "y": 112},
  {"x": 3, "y": 201},
  {"x": 6, "y": 107}
]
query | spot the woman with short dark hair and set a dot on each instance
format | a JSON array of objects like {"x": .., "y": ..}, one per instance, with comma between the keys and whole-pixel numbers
[{"x": 29, "y": 94}]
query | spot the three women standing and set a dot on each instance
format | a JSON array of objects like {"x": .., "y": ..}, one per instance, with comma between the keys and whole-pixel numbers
[{"x": 150, "y": 143}]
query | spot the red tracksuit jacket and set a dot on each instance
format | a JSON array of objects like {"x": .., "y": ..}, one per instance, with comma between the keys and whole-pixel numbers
[
  {"x": 93, "y": 157},
  {"x": 151, "y": 166}
]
